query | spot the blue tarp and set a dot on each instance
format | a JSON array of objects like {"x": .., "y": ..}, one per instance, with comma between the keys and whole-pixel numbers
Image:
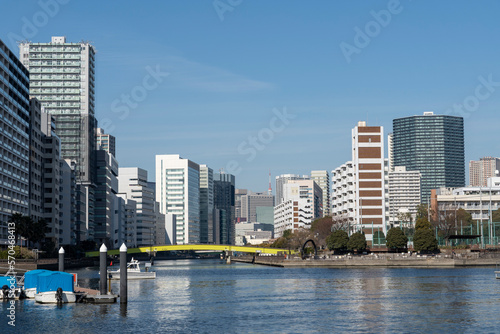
[
  {"x": 7, "y": 280},
  {"x": 31, "y": 278},
  {"x": 52, "y": 280}
]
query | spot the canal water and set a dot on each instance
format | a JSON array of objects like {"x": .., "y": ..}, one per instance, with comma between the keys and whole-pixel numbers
[{"x": 209, "y": 296}]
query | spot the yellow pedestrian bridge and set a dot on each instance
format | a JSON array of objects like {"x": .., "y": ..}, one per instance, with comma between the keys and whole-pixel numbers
[{"x": 195, "y": 247}]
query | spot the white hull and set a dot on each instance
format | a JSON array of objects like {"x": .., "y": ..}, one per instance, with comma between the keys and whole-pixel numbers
[
  {"x": 115, "y": 275},
  {"x": 49, "y": 297},
  {"x": 497, "y": 274},
  {"x": 30, "y": 293}
]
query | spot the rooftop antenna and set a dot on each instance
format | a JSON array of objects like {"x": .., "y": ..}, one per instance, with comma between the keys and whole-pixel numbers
[{"x": 270, "y": 190}]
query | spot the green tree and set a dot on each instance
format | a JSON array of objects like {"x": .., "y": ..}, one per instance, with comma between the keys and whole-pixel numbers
[
  {"x": 495, "y": 215},
  {"x": 396, "y": 239},
  {"x": 321, "y": 229},
  {"x": 337, "y": 241},
  {"x": 357, "y": 241},
  {"x": 424, "y": 240},
  {"x": 38, "y": 231},
  {"x": 422, "y": 223},
  {"x": 464, "y": 217},
  {"x": 287, "y": 234}
]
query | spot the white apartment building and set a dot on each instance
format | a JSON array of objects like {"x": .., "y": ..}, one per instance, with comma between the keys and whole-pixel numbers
[
  {"x": 322, "y": 178},
  {"x": 404, "y": 193},
  {"x": 360, "y": 186},
  {"x": 178, "y": 192},
  {"x": 133, "y": 185},
  {"x": 302, "y": 204},
  {"x": 283, "y": 179}
]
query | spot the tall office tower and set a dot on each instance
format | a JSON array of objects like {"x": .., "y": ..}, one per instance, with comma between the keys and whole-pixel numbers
[
  {"x": 370, "y": 188},
  {"x": 133, "y": 185},
  {"x": 14, "y": 139},
  {"x": 480, "y": 171},
  {"x": 178, "y": 192},
  {"x": 106, "y": 220},
  {"x": 433, "y": 145},
  {"x": 206, "y": 205},
  {"x": 238, "y": 194},
  {"x": 36, "y": 188},
  {"x": 283, "y": 179},
  {"x": 390, "y": 151},
  {"x": 224, "y": 189},
  {"x": 105, "y": 142},
  {"x": 129, "y": 229},
  {"x": 302, "y": 204},
  {"x": 252, "y": 201},
  {"x": 404, "y": 194},
  {"x": 62, "y": 79},
  {"x": 322, "y": 178},
  {"x": 52, "y": 180}
]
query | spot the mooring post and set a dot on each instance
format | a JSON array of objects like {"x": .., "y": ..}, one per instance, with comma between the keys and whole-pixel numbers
[
  {"x": 61, "y": 259},
  {"x": 103, "y": 270},
  {"x": 123, "y": 274}
]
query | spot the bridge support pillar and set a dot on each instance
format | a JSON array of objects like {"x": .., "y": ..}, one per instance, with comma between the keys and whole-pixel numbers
[{"x": 228, "y": 257}]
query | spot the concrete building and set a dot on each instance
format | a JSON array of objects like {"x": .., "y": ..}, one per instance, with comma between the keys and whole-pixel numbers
[
  {"x": 480, "y": 171},
  {"x": 283, "y": 179},
  {"x": 404, "y": 194},
  {"x": 68, "y": 202},
  {"x": 434, "y": 146},
  {"x": 302, "y": 204},
  {"x": 480, "y": 202},
  {"x": 133, "y": 185},
  {"x": 322, "y": 178},
  {"x": 105, "y": 142},
  {"x": 238, "y": 194},
  {"x": 14, "y": 139},
  {"x": 390, "y": 151},
  {"x": 129, "y": 229},
  {"x": 265, "y": 214},
  {"x": 178, "y": 192},
  {"x": 251, "y": 233},
  {"x": 62, "y": 78},
  {"x": 251, "y": 201},
  {"x": 36, "y": 188},
  {"x": 52, "y": 180},
  {"x": 206, "y": 205},
  {"x": 360, "y": 187},
  {"x": 107, "y": 224},
  {"x": 224, "y": 189}
]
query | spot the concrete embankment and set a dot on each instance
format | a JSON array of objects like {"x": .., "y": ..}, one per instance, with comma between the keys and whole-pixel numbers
[{"x": 370, "y": 261}]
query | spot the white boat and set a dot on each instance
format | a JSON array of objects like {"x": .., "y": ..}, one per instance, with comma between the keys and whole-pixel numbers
[
  {"x": 55, "y": 287},
  {"x": 133, "y": 272},
  {"x": 497, "y": 274},
  {"x": 9, "y": 288},
  {"x": 54, "y": 297}
]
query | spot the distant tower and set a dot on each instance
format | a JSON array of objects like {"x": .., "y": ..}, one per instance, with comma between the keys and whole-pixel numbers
[{"x": 270, "y": 190}]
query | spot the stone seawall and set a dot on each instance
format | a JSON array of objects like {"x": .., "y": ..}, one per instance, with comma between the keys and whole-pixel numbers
[{"x": 368, "y": 261}]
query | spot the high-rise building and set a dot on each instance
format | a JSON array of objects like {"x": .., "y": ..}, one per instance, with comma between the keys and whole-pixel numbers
[
  {"x": 360, "y": 187},
  {"x": 480, "y": 171},
  {"x": 133, "y": 184},
  {"x": 322, "y": 178},
  {"x": 105, "y": 142},
  {"x": 106, "y": 220},
  {"x": 178, "y": 192},
  {"x": 404, "y": 194},
  {"x": 36, "y": 188},
  {"x": 14, "y": 139},
  {"x": 251, "y": 201},
  {"x": 206, "y": 205},
  {"x": 302, "y": 204},
  {"x": 62, "y": 77},
  {"x": 434, "y": 146},
  {"x": 283, "y": 179},
  {"x": 224, "y": 189},
  {"x": 238, "y": 195}
]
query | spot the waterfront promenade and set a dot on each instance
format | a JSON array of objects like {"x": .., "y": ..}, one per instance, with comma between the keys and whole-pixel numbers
[{"x": 375, "y": 260}]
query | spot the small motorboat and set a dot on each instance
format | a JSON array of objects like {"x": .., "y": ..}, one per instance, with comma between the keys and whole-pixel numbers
[
  {"x": 133, "y": 272},
  {"x": 9, "y": 288},
  {"x": 55, "y": 287},
  {"x": 31, "y": 281}
]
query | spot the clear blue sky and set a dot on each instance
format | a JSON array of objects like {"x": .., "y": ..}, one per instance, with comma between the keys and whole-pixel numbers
[{"x": 230, "y": 67}]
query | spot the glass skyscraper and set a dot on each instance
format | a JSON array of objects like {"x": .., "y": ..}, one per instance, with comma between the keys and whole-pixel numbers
[{"x": 433, "y": 145}]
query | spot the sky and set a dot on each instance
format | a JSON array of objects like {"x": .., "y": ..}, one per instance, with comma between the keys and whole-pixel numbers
[{"x": 260, "y": 86}]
